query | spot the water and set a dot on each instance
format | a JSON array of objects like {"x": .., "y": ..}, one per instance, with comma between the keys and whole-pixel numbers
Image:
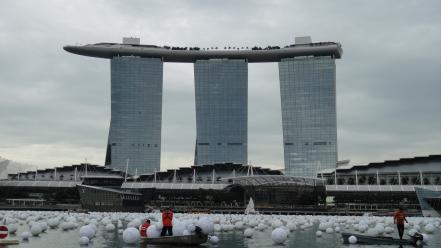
[{"x": 230, "y": 239}]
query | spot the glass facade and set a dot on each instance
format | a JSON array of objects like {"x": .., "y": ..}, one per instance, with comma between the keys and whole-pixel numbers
[
  {"x": 221, "y": 87},
  {"x": 136, "y": 111},
  {"x": 307, "y": 89}
]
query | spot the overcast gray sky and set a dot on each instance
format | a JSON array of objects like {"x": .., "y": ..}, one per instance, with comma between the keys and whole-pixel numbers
[{"x": 55, "y": 106}]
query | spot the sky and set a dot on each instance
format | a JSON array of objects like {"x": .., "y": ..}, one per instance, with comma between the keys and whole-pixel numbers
[{"x": 55, "y": 106}]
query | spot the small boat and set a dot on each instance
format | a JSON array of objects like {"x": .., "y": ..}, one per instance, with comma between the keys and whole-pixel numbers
[
  {"x": 9, "y": 242},
  {"x": 377, "y": 240},
  {"x": 186, "y": 240}
]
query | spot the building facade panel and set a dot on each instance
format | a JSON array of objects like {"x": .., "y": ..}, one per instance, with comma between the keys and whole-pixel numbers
[
  {"x": 308, "y": 99},
  {"x": 136, "y": 113},
  {"x": 221, "y": 88}
]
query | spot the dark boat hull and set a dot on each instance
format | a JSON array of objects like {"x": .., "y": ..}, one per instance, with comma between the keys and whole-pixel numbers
[
  {"x": 186, "y": 240},
  {"x": 371, "y": 240}
]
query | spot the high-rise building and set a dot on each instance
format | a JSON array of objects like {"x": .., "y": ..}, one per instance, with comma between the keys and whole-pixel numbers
[
  {"x": 221, "y": 87},
  {"x": 136, "y": 110},
  {"x": 307, "y": 89},
  {"x": 307, "y": 86}
]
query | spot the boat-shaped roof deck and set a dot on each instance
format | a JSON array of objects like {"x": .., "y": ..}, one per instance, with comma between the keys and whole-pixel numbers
[{"x": 191, "y": 54}]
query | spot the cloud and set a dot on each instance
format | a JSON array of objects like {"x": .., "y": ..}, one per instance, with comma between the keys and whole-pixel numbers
[{"x": 55, "y": 106}]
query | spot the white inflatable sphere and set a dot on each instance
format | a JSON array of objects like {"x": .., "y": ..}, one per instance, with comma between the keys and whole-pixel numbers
[
  {"x": 425, "y": 238},
  {"x": 12, "y": 228},
  {"x": 318, "y": 233},
  {"x": 25, "y": 235},
  {"x": 153, "y": 232},
  {"x": 191, "y": 227},
  {"x": 159, "y": 226},
  {"x": 84, "y": 240},
  {"x": 217, "y": 228},
  {"x": 35, "y": 229},
  {"x": 352, "y": 239},
  {"x": 178, "y": 229},
  {"x": 110, "y": 227},
  {"x": 185, "y": 233},
  {"x": 279, "y": 235},
  {"x": 412, "y": 232},
  {"x": 214, "y": 239},
  {"x": 337, "y": 229},
  {"x": 248, "y": 232},
  {"x": 329, "y": 230},
  {"x": 87, "y": 231},
  {"x": 388, "y": 229},
  {"x": 372, "y": 232},
  {"x": 206, "y": 225},
  {"x": 53, "y": 223},
  {"x": 131, "y": 235},
  {"x": 429, "y": 228},
  {"x": 237, "y": 226}
]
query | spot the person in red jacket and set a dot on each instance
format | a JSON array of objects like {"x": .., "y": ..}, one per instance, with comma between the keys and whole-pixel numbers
[
  {"x": 143, "y": 228},
  {"x": 399, "y": 218},
  {"x": 167, "y": 225}
]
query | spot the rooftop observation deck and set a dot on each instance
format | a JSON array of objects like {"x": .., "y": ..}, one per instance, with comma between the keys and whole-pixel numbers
[{"x": 191, "y": 54}]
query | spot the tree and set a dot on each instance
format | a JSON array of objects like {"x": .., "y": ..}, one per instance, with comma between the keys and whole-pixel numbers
[
  {"x": 393, "y": 181},
  {"x": 372, "y": 180},
  {"x": 438, "y": 180},
  {"x": 404, "y": 180},
  {"x": 415, "y": 180},
  {"x": 362, "y": 180},
  {"x": 351, "y": 181},
  {"x": 382, "y": 181},
  {"x": 426, "y": 181},
  {"x": 330, "y": 181}
]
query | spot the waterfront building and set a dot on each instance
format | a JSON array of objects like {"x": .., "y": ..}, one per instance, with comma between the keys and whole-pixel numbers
[
  {"x": 221, "y": 87},
  {"x": 307, "y": 83},
  {"x": 308, "y": 96},
  {"x": 136, "y": 111}
]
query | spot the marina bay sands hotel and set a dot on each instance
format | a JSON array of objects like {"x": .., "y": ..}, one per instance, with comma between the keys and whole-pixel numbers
[{"x": 308, "y": 99}]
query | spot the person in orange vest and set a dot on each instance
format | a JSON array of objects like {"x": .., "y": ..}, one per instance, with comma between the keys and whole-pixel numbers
[
  {"x": 399, "y": 218},
  {"x": 143, "y": 228},
  {"x": 167, "y": 225}
]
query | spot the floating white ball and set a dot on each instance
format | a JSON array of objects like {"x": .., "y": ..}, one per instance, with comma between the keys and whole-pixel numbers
[
  {"x": 248, "y": 232},
  {"x": 352, "y": 239},
  {"x": 87, "y": 231},
  {"x": 279, "y": 235},
  {"x": 36, "y": 229},
  {"x": 429, "y": 228},
  {"x": 131, "y": 235},
  {"x": 25, "y": 235},
  {"x": 12, "y": 228},
  {"x": 84, "y": 240},
  {"x": 214, "y": 239},
  {"x": 153, "y": 232},
  {"x": 110, "y": 227},
  {"x": 318, "y": 233}
]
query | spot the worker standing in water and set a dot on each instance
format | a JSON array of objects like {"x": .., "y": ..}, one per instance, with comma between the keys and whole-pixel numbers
[
  {"x": 399, "y": 219},
  {"x": 167, "y": 222}
]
